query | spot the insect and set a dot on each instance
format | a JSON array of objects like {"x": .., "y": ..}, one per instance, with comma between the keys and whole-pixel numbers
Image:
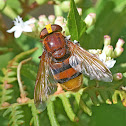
[{"x": 64, "y": 62}]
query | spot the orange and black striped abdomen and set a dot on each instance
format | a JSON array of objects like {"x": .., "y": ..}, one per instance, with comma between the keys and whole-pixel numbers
[{"x": 63, "y": 72}]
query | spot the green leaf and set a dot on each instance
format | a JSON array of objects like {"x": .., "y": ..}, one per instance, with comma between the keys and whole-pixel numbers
[
  {"x": 10, "y": 80},
  {"x": 75, "y": 24},
  {"x": 68, "y": 108},
  {"x": 85, "y": 108},
  {"x": 51, "y": 114},
  {"x": 93, "y": 97},
  {"x": 29, "y": 71},
  {"x": 35, "y": 118},
  {"x": 7, "y": 112}
]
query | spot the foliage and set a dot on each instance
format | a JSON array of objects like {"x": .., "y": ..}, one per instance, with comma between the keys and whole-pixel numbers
[{"x": 18, "y": 71}]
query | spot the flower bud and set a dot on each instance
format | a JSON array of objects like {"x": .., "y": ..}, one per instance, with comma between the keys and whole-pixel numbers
[
  {"x": 90, "y": 19},
  {"x": 40, "y": 25},
  {"x": 117, "y": 76},
  {"x": 117, "y": 51},
  {"x": 120, "y": 43},
  {"x": 65, "y": 29},
  {"x": 108, "y": 50},
  {"x": 107, "y": 40},
  {"x": 43, "y": 18},
  {"x": 32, "y": 20},
  {"x": 59, "y": 20},
  {"x": 79, "y": 11},
  {"x": 51, "y": 19},
  {"x": 65, "y": 5}
]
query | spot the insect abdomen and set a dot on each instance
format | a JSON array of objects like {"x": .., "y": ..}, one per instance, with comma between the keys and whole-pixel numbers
[{"x": 63, "y": 72}]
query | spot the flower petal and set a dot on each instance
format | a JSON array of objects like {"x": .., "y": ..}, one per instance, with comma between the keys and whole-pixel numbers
[
  {"x": 102, "y": 57},
  {"x": 20, "y": 20},
  {"x": 30, "y": 21},
  {"x": 110, "y": 63},
  {"x": 14, "y": 28},
  {"x": 17, "y": 33},
  {"x": 27, "y": 28}
]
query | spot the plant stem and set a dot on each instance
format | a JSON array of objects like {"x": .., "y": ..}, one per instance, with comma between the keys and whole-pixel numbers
[
  {"x": 26, "y": 8},
  {"x": 9, "y": 12},
  {"x": 22, "y": 92}
]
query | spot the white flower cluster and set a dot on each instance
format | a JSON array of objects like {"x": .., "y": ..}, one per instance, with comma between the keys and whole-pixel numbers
[{"x": 109, "y": 63}]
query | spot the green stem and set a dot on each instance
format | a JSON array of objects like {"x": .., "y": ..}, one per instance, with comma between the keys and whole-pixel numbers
[
  {"x": 9, "y": 12},
  {"x": 23, "y": 94}
]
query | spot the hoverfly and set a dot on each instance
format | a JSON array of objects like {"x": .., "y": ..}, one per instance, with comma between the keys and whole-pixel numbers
[{"x": 64, "y": 62}]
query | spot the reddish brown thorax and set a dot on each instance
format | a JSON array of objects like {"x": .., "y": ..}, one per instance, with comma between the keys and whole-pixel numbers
[{"x": 54, "y": 41}]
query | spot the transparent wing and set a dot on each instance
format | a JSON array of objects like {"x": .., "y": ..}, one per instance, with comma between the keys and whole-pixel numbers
[
  {"x": 83, "y": 61},
  {"x": 45, "y": 83}
]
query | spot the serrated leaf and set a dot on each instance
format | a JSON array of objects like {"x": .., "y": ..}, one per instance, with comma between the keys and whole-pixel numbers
[
  {"x": 68, "y": 108},
  {"x": 35, "y": 117},
  {"x": 20, "y": 121},
  {"x": 1, "y": 79},
  {"x": 10, "y": 80},
  {"x": 85, "y": 108},
  {"x": 19, "y": 116},
  {"x": 77, "y": 97},
  {"x": 31, "y": 121},
  {"x": 51, "y": 114},
  {"x": 93, "y": 97},
  {"x": 8, "y": 98},
  {"x": 19, "y": 112},
  {"x": 104, "y": 94},
  {"x": 75, "y": 24},
  {"x": 7, "y": 112},
  {"x": 115, "y": 96},
  {"x": 9, "y": 91},
  {"x": 11, "y": 73}
]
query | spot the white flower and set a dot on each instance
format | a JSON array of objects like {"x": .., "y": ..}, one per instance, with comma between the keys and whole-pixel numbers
[
  {"x": 75, "y": 41},
  {"x": 21, "y": 26},
  {"x": 68, "y": 37},
  {"x": 109, "y": 63}
]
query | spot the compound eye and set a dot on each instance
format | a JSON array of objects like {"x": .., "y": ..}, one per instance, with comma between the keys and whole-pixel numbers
[
  {"x": 43, "y": 33},
  {"x": 50, "y": 29},
  {"x": 56, "y": 28}
]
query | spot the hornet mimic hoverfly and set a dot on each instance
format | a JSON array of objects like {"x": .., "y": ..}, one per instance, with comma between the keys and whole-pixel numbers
[{"x": 63, "y": 62}]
